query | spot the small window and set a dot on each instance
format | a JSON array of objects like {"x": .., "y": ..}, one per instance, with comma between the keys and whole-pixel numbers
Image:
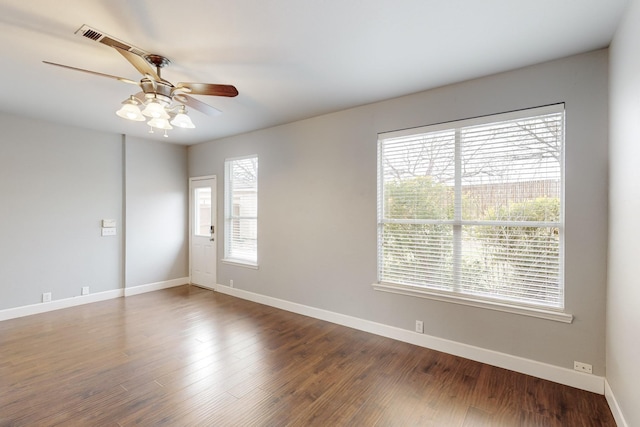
[
  {"x": 474, "y": 208},
  {"x": 241, "y": 210},
  {"x": 203, "y": 211}
]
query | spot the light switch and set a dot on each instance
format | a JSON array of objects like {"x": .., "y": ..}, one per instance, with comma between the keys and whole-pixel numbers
[{"x": 108, "y": 223}]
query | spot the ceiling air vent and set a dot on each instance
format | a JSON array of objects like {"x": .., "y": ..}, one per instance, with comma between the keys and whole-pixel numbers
[{"x": 99, "y": 36}]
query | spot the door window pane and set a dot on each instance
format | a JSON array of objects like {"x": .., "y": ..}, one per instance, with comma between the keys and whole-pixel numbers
[{"x": 203, "y": 212}]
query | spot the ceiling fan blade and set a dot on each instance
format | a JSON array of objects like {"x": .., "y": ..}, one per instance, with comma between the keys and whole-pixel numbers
[
  {"x": 139, "y": 63},
  {"x": 208, "y": 89},
  {"x": 122, "y": 79},
  {"x": 191, "y": 102}
]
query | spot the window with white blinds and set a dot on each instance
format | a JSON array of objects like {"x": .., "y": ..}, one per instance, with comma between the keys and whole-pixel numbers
[
  {"x": 474, "y": 208},
  {"x": 241, "y": 210}
]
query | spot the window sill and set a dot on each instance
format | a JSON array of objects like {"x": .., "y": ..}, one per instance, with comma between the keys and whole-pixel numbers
[
  {"x": 240, "y": 263},
  {"x": 541, "y": 313}
]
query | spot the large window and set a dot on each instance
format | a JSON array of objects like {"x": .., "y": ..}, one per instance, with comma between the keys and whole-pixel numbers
[
  {"x": 241, "y": 210},
  {"x": 473, "y": 209}
]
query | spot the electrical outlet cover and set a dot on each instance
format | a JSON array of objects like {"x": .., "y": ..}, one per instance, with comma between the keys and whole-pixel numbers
[
  {"x": 583, "y": 367},
  {"x": 108, "y": 232}
]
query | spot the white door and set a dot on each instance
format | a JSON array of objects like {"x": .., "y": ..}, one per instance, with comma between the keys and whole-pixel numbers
[{"x": 202, "y": 231}]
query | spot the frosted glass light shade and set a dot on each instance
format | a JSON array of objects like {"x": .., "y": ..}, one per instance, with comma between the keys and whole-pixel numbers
[
  {"x": 182, "y": 121},
  {"x": 155, "y": 110},
  {"x": 160, "y": 123},
  {"x": 130, "y": 111}
]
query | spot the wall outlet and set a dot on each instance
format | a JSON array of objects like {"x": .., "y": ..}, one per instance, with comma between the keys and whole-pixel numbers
[
  {"x": 231, "y": 283},
  {"x": 419, "y": 326},
  {"x": 46, "y": 297},
  {"x": 583, "y": 367},
  {"x": 85, "y": 290},
  {"x": 108, "y": 231}
]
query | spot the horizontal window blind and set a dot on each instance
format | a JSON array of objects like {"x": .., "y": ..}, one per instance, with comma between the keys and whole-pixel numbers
[
  {"x": 241, "y": 210},
  {"x": 475, "y": 207}
]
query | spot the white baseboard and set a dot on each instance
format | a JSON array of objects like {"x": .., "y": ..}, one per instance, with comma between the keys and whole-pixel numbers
[
  {"x": 150, "y": 287},
  {"x": 545, "y": 371},
  {"x": 613, "y": 405},
  {"x": 28, "y": 310}
]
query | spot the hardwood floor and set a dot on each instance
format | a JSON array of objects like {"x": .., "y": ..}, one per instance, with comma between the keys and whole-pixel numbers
[{"x": 186, "y": 356}]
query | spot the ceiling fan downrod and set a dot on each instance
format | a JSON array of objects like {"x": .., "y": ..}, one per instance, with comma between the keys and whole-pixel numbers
[{"x": 158, "y": 61}]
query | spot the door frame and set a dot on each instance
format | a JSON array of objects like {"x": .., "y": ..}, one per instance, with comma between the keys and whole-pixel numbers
[{"x": 214, "y": 208}]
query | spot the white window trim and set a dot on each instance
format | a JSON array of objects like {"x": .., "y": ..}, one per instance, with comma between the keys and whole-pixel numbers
[
  {"x": 550, "y": 314},
  {"x": 559, "y": 315},
  {"x": 240, "y": 263},
  {"x": 228, "y": 260}
]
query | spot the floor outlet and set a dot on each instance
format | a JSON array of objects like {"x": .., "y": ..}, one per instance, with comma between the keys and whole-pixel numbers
[
  {"x": 583, "y": 367},
  {"x": 46, "y": 297},
  {"x": 419, "y": 326},
  {"x": 85, "y": 290}
]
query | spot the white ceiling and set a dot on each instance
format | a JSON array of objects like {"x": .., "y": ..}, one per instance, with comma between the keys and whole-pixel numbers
[{"x": 289, "y": 59}]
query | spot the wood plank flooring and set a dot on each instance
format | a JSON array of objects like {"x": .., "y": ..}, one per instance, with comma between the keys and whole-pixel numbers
[{"x": 191, "y": 357}]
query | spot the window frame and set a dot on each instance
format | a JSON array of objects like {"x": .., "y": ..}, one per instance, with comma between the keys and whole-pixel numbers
[
  {"x": 230, "y": 216},
  {"x": 453, "y": 295}
]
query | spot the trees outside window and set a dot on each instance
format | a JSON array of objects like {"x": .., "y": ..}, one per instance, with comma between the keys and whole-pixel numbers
[
  {"x": 475, "y": 207},
  {"x": 241, "y": 210}
]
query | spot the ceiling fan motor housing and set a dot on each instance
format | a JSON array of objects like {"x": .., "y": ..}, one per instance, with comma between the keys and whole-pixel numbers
[{"x": 160, "y": 90}]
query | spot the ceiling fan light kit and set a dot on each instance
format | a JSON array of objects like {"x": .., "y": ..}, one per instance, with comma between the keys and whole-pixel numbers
[
  {"x": 162, "y": 102},
  {"x": 158, "y": 112},
  {"x": 182, "y": 120},
  {"x": 160, "y": 123},
  {"x": 130, "y": 110},
  {"x": 155, "y": 110}
]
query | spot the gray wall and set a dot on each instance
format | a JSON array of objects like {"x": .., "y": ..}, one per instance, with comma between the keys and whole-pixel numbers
[
  {"x": 56, "y": 185},
  {"x": 156, "y": 211},
  {"x": 317, "y": 210},
  {"x": 623, "y": 309}
]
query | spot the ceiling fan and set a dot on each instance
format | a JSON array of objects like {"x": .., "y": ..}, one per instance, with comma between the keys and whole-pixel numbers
[{"x": 163, "y": 102}]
